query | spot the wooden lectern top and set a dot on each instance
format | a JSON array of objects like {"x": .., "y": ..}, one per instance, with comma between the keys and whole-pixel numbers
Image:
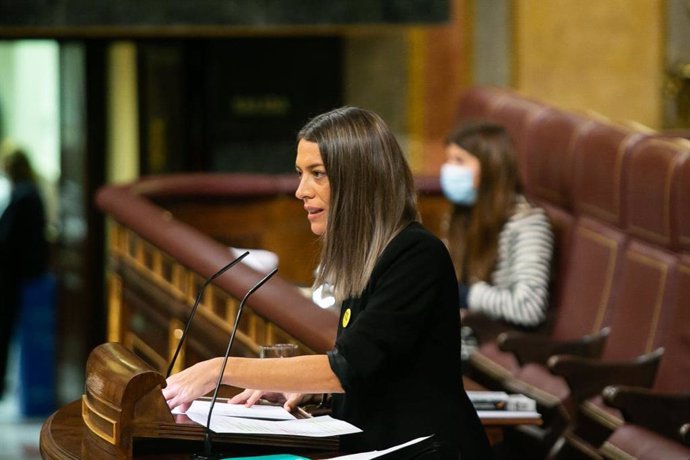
[
  {"x": 122, "y": 398},
  {"x": 123, "y": 405}
]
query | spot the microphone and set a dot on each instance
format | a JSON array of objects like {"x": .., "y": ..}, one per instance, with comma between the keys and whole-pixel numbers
[
  {"x": 207, "y": 455},
  {"x": 196, "y": 305}
]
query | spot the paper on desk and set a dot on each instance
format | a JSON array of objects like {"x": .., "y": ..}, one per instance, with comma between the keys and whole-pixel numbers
[
  {"x": 475, "y": 395},
  {"x": 378, "y": 453},
  {"x": 506, "y": 414},
  {"x": 260, "y": 411},
  {"x": 316, "y": 426}
]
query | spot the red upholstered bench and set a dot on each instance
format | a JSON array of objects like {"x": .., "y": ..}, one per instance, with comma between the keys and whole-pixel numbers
[{"x": 615, "y": 195}]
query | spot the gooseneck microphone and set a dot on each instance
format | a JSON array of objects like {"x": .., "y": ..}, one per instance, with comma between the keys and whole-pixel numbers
[
  {"x": 196, "y": 305},
  {"x": 208, "y": 455}
]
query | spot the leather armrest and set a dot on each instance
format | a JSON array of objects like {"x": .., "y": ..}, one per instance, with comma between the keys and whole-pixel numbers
[
  {"x": 485, "y": 329},
  {"x": 535, "y": 348},
  {"x": 665, "y": 413},
  {"x": 587, "y": 377}
]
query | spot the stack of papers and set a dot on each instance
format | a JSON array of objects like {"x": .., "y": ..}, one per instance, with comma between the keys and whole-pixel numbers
[
  {"x": 260, "y": 411},
  {"x": 488, "y": 400},
  {"x": 499, "y": 400},
  {"x": 265, "y": 420}
]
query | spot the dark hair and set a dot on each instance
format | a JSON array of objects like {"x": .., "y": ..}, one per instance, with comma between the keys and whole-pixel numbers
[
  {"x": 18, "y": 167},
  {"x": 473, "y": 232},
  {"x": 372, "y": 194}
]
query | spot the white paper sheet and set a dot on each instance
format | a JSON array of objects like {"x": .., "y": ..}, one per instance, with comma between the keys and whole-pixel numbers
[
  {"x": 315, "y": 427},
  {"x": 260, "y": 411},
  {"x": 378, "y": 453},
  {"x": 506, "y": 414}
]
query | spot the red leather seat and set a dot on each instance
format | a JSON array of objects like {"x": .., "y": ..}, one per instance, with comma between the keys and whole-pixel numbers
[
  {"x": 619, "y": 200},
  {"x": 596, "y": 419},
  {"x": 478, "y": 102},
  {"x": 655, "y": 415},
  {"x": 517, "y": 114},
  {"x": 634, "y": 285},
  {"x": 681, "y": 196},
  {"x": 635, "y": 442},
  {"x": 549, "y": 138},
  {"x": 648, "y": 423},
  {"x": 643, "y": 294},
  {"x": 595, "y": 238},
  {"x": 502, "y": 106}
]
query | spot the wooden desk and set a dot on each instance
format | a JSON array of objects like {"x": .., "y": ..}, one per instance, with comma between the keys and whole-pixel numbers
[
  {"x": 62, "y": 436},
  {"x": 122, "y": 414}
]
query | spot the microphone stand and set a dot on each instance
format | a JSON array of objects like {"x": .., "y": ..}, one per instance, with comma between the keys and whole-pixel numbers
[
  {"x": 208, "y": 455},
  {"x": 196, "y": 305}
]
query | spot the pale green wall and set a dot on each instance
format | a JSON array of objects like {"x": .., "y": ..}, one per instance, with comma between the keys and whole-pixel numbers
[
  {"x": 29, "y": 108},
  {"x": 29, "y": 101}
]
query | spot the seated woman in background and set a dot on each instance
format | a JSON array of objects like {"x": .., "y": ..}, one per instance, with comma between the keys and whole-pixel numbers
[{"x": 500, "y": 243}]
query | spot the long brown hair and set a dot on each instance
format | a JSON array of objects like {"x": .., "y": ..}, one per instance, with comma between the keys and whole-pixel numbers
[
  {"x": 473, "y": 232},
  {"x": 372, "y": 194}
]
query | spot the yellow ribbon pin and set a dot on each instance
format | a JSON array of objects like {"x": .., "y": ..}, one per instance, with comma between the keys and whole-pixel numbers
[{"x": 346, "y": 317}]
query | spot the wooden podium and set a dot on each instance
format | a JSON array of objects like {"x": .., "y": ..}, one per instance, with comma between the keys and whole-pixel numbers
[{"x": 123, "y": 414}]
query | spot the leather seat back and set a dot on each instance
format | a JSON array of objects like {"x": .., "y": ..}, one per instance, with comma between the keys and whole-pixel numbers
[
  {"x": 643, "y": 308},
  {"x": 597, "y": 238},
  {"x": 478, "y": 102},
  {"x": 548, "y": 169},
  {"x": 681, "y": 199},
  {"x": 675, "y": 365}
]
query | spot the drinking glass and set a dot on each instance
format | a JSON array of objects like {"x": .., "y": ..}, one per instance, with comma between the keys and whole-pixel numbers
[{"x": 278, "y": 350}]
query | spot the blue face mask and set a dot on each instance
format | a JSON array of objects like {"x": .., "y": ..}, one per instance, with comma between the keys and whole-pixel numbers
[{"x": 457, "y": 183}]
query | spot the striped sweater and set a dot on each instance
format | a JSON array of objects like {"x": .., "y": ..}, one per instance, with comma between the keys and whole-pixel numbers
[{"x": 520, "y": 281}]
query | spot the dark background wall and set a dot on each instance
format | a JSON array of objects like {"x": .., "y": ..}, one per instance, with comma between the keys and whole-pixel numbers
[{"x": 172, "y": 13}]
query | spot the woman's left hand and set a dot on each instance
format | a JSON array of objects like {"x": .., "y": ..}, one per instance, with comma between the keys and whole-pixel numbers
[{"x": 249, "y": 397}]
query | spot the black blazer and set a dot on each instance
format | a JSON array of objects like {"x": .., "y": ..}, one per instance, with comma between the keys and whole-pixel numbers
[{"x": 397, "y": 353}]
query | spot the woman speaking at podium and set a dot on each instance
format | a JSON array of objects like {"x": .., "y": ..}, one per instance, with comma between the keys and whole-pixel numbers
[{"x": 395, "y": 369}]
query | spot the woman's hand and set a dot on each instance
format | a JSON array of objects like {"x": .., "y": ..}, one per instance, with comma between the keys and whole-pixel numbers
[
  {"x": 289, "y": 400},
  {"x": 184, "y": 387}
]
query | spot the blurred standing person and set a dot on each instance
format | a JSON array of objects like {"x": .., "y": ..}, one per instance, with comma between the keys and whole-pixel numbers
[{"x": 23, "y": 246}]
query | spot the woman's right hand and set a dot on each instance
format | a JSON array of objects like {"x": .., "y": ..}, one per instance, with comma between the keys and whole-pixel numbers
[{"x": 191, "y": 383}]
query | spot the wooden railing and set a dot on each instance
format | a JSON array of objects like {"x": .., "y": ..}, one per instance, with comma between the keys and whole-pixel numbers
[{"x": 167, "y": 234}]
